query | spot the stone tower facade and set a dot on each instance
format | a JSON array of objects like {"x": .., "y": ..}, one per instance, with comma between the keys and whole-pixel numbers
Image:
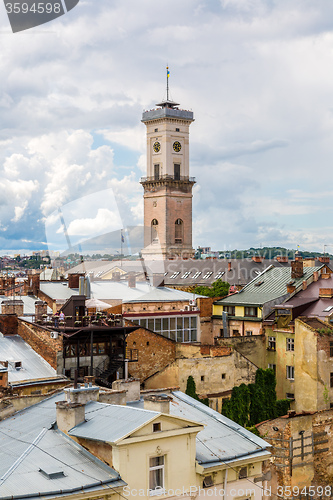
[{"x": 168, "y": 185}]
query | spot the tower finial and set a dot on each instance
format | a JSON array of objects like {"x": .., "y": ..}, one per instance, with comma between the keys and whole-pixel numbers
[{"x": 168, "y": 74}]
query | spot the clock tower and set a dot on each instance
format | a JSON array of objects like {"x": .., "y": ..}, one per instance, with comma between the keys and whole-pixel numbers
[{"x": 168, "y": 185}]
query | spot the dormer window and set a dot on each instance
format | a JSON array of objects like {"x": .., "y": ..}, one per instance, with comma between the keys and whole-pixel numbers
[{"x": 157, "y": 427}]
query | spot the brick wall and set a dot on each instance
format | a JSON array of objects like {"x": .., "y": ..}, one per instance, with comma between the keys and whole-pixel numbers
[
  {"x": 40, "y": 341},
  {"x": 8, "y": 324},
  {"x": 154, "y": 352}
]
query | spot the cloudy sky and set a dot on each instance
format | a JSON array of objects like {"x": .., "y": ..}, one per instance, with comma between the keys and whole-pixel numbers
[{"x": 258, "y": 75}]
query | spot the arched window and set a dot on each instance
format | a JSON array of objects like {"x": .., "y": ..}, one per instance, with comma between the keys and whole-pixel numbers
[
  {"x": 179, "y": 230},
  {"x": 154, "y": 235}
]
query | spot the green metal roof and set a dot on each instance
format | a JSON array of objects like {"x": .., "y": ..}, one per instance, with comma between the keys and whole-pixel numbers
[{"x": 273, "y": 285}]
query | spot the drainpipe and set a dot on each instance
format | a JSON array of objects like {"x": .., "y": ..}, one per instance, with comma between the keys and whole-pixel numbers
[{"x": 225, "y": 485}]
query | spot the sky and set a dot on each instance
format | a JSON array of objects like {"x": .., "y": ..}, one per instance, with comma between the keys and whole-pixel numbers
[{"x": 258, "y": 76}]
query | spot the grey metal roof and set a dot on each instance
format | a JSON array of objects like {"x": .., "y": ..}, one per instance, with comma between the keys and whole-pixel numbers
[
  {"x": 117, "y": 290},
  {"x": 273, "y": 285},
  {"x": 110, "y": 423},
  {"x": 164, "y": 294},
  {"x": 221, "y": 440},
  {"x": 28, "y": 442},
  {"x": 13, "y": 348},
  {"x": 57, "y": 290}
]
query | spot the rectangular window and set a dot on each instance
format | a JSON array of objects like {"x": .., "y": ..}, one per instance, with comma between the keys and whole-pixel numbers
[
  {"x": 290, "y": 344},
  {"x": 157, "y": 427},
  {"x": 235, "y": 333},
  {"x": 272, "y": 343},
  {"x": 251, "y": 311},
  {"x": 290, "y": 395},
  {"x": 176, "y": 169},
  {"x": 331, "y": 349},
  {"x": 331, "y": 379},
  {"x": 248, "y": 333},
  {"x": 291, "y": 372},
  {"x": 156, "y": 172},
  {"x": 272, "y": 367},
  {"x": 230, "y": 310},
  {"x": 156, "y": 475}
]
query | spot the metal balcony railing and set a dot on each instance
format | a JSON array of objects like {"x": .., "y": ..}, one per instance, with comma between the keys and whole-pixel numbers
[{"x": 168, "y": 177}]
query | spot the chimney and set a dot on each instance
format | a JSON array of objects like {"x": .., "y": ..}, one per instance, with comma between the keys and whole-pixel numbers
[
  {"x": 296, "y": 269},
  {"x": 34, "y": 280},
  {"x": 305, "y": 285},
  {"x": 74, "y": 280},
  {"x": 325, "y": 293},
  {"x": 82, "y": 394},
  {"x": 9, "y": 306},
  {"x": 290, "y": 288},
  {"x": 81, "y": 285},
  {"x": 132, "y": 280},
  {"x": 257, "y": 258},
  {"x": 157, "y": 402},
  {"x": 40, "y": 309},
  {"x": 69, "y": 415},
  {"x": 282, "y": 258},
  {"x": 229, "y": 266},
  {"x": 324, "y": 259},
  {"x": 315, "y": 276},
  {"x": 132, "y": 387}
]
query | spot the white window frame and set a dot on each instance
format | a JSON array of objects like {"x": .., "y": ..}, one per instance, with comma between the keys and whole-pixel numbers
[
  {"x": 271, "y": 341},
  {"x": 159, "y": 490},
  {"x": 290, "y": 372},
  {"x": 290, "y": 344}
]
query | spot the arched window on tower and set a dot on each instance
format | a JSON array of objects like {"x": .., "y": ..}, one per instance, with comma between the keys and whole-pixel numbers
[
  {"x": 154, "y": 235},
  {"x": 179, "y": 231}
]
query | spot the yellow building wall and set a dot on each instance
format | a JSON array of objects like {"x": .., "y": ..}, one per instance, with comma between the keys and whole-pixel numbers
[
  {"x": 306, "y": 368},
  {"x": 281, "y": 358},
  {"x": 132, "y": 462}
]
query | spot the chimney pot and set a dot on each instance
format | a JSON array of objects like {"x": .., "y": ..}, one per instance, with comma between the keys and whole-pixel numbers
[{"x": 229, "y": 266}]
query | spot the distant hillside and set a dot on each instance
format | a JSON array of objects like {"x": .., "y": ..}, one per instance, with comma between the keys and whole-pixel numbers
[{"x": 268, "y": 253}]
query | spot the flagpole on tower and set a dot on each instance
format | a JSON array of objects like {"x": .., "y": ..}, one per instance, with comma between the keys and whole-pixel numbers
[{"x": 168, "y": 74}]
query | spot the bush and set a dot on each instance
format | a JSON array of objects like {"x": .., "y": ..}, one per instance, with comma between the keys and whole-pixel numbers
[
  {"x": 281, "y": 407},
  {"x": 191, "y": 391}
]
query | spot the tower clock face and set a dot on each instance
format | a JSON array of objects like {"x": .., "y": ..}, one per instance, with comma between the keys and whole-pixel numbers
[
  {"x": 157, "y": 147},
  {"x": 177, "y": 146}
]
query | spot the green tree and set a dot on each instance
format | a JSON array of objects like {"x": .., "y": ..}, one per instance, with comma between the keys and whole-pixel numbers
[
  {"x": 191, "y": 391},
  {"x": 218, "y": 289}
]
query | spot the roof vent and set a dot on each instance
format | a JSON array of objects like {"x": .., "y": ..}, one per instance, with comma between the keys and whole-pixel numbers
[
  {"x": 259, "y": 283},
  {"x": 52, "y": 473}
]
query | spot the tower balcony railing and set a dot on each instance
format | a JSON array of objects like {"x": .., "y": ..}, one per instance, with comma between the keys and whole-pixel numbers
[{"x": 168, "y": 177}]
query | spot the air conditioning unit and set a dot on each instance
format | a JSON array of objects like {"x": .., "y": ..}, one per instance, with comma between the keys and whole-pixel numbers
[
  {"x": 54, "y": 335},
  {"x": 192, "y": 302},
  {"x": 187, "y": 308}
]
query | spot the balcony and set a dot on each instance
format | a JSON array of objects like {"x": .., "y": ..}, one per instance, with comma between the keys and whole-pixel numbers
[
  {"x": 98, "y": 319},
  {"x": 168, "y": 177}
]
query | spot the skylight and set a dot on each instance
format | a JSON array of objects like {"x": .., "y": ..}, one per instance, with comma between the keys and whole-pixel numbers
[{"x": 328, "y": 308}]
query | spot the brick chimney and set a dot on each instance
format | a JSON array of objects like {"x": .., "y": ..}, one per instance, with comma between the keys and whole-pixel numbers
[
  {"x": 305, "y": 285},
  {"x": 132, "y": 280},
  {"x": 157, "y": 402},
  {"x": 326, "y": 293},
  {"x": 290, "y": 288},
  {"x": 69, "y": 415},
  {"x": 282, "y": 258},
  {"x": 229, "y": 266},
  {"x": 34, "y": 280},
  {"x": 315, "y": 276},
  {"x": 324, "y": 259},
  {"x": 40, "y": 309},
  {"x": 296, "y": 269},
  {"x": 12, "y": 307},
  {"x": 74, "y": 280},
  {"x": 257, "y": 258}
]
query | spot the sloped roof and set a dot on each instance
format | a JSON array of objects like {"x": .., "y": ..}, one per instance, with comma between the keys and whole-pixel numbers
[
  {"x": 13, "y": 348},
  {"x": 269, "y": 285},
  {"x": 28, "y": 443},
  {"x": 222, "y": 440},
  {"x": 164, "y": 294},
  {"x": 111, "y": 423}
]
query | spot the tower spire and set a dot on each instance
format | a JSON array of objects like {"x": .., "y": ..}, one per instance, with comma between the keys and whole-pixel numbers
[{"x": 168, "y": 74}]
